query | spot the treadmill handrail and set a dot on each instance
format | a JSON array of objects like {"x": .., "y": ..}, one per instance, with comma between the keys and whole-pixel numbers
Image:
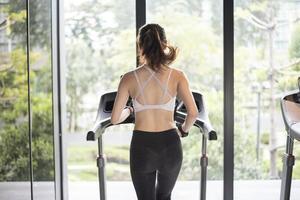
[
  {"x": 100, "y": 126},
  {"x": 289, "y": 123},
  {"x": 206, "y": 127},
  {"x": 98, "y": 129}
]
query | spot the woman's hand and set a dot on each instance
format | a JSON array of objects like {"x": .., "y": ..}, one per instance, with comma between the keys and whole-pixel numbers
[
  {"x": 130, "y": 109},
  {"x": 178, "y": 132}
]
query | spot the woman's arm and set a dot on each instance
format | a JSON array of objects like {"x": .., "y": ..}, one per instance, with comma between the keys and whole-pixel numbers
[
  {"x": 119, "y": 112},
  {"x": 185, "y": 94},
  {"x": 124, "y": 114}
]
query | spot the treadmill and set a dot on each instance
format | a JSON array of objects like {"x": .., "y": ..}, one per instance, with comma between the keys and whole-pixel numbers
[
  {"x": 290, "y": 108},
  {"x": 103, "y": 121}
]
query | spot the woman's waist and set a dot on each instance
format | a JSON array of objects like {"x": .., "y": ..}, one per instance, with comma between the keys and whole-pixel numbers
[
  {"x": 159, "y": 120},
  {"x": 147, "y": 131},
  {"x": 154, "y": 127}
]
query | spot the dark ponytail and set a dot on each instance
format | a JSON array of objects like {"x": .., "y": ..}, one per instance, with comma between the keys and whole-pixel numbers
[{"x": 152, "y": 43}]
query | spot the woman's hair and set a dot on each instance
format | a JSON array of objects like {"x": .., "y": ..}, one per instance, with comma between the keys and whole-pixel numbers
[{"x": 152, "y": 42}]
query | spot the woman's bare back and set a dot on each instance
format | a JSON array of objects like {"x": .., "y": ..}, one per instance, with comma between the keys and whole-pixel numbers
[{"x": 154, "y": 119}]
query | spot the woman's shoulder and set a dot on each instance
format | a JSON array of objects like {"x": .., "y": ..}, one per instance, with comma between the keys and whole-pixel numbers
[
  {"x": 178, "y": 72},
  {"x": 130, "y": 72},
  {"x": 129, "y": 75},
  {"x": 176, "y": 69}
]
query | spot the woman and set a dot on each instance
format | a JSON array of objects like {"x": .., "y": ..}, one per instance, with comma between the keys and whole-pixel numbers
[{"x": 155, "y": 148}]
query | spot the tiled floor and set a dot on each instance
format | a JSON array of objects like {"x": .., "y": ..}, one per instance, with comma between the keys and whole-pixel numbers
[{"x": 117, "y": 190}]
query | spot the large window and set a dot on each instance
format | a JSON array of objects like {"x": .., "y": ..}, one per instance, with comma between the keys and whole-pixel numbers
[
  {"x": 100, "y": 47},
  {"x": 266, "y": 66},
  {"x": 197, "y": 31},
  {"x": 14, "y": 157},
  {"x": 100, "y": 41},
  {"x": 18, "y": 120}
]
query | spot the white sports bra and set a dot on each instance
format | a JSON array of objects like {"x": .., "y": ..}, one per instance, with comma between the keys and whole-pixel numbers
[{"x": 169, "y": 106}]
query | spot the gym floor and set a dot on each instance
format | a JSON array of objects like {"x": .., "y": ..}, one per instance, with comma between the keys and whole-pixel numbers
[{"x": 116, "y": 190}]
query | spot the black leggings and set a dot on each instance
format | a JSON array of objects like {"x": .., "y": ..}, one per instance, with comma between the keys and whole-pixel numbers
[{"x": 151, "y": 153}]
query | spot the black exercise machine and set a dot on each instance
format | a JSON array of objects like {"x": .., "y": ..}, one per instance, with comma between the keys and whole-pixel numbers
[
  {"x": 103, "y": 121},
  {"x": 290, "y": 107}
]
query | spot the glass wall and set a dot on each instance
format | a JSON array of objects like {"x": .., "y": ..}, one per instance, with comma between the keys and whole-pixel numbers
[
  {"x": 266, "y": 66},
  {"x": 196, "y": 28},
  {"x": 41, "y": 99},
  {"x": 14, "y": 145},
  {"x": 100, "y": 47},
  {"x": 14, "y": 108}
]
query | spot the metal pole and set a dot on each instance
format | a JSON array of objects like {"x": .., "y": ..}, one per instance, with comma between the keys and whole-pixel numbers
[
  {"x": 58, "y": 109},
  {"x": 203, "y": 164},
  {"x": 288, "y": 163},
  {"x": 101, "y": 170},
  {"x": 29, "y": 96},
  {"x": 140, "y": 9},
  {"x": 228, "y": 82}
]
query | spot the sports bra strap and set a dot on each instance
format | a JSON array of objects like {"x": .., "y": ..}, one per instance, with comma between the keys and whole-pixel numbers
[
  {"x": 140, "y": 86},
  {"x": 164, "y": 87},
  {"x": 169, "y": 76},
  {"x": 167, "y": 84}
]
